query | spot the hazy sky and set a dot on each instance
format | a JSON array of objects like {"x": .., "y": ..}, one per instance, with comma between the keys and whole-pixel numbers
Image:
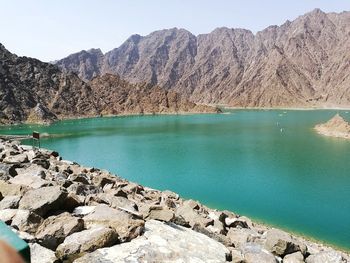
[{"x": 49, "y": 30}]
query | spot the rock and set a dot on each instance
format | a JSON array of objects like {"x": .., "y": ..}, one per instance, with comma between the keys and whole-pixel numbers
[
  {"x": 83, "y": 210},
  {"x": 26, "y": 221},
  {"x": 79, "y": 178},
  {"x": 160, "y": 213},
  {"x": 83, "y": 189},
  {"x": 11, "y": 189},
  {"x": 281, "y": 243},
  {"x": 118, "y": 201},
  {"x": 235, "y": 222},
  {"x": 6, "y": 215},
  {"x": 325, "y": 257},
  {"x": 296, "y": 257},
  {"x": 102, "y": 180},
  {"x": 86, "y": 241},
  {"x": 43, "y": 199},
  {"x": 72, "y": 201},
  {"x": 55, "y": 229},
  {"x": 192, "y": 216},
  {"x": 192, "y": 204},
  {"x": 254, "y": 253},
  {"x": 240, "y": 236},
  {"x": 126, "y": 225},
  {"x": 218, "y": 237},
  {"x": 32, "y": 170},
  {"x": 16, "y": 159},
  {"x": 8, "y": 170},
  {"x": 10, "y": 201},
  {"x": 29, "y": 180},
  {"x": 236, "y": 256},
  {"x": 39, "y": 254},
  {"x": 162, "y": 243}
]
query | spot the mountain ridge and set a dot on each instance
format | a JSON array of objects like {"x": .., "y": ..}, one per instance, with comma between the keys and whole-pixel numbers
[{"x": 291, "y": 65}]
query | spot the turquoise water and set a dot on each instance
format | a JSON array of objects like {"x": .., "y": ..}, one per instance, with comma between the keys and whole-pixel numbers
[{"x": 291, "y": 178}]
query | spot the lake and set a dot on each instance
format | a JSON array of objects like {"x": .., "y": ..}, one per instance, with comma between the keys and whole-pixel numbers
[{"x": 268, "y": 165}]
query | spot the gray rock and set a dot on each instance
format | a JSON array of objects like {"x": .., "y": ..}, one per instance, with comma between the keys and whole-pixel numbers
[
  {"x": 83, "y": 210},
  {"x": 43, "y": 200},
  {"x": 16, "y": 159},
  {"x": 83, "y": 189},
  {"x": 281, "y": 243},
  {"x": 240, "y": 236},
  {"x": 255, "y": 253},
  {"x": 29, "y": 180},
  {"x": 26, "y": 221},
  {"x": 8, "y": 170},
  {"x": 192, "y": 216},
  {"x": 39, "y": 254},
  {"x": 118, "y": 201},
  {"x": 86, "y": 241},
  {"x": 296, "y": 257},
  {"x": 158, "y": 213},
  {"x": 6, "y": 215},
  {"x": 10, "y": 202},
  {"x": 55, "y": 229},
  {"x": 126, "y": 225},
  {"x": 32, "y": 170},
  {"x": 11, "y": 189},
  {"x": 162, "y": 243},
  {"x": 325, "y": 257}
]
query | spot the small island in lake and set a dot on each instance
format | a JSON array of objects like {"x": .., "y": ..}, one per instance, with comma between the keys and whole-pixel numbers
[{"x": 335, "y": 127}]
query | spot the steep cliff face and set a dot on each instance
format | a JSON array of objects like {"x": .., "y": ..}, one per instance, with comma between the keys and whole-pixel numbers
[
  {"x": 34, "y": 91},
  {"x": 300, "y": 63}
]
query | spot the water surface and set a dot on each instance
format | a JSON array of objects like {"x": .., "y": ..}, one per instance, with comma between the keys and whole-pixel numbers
[{"x": 269, "y": 165}]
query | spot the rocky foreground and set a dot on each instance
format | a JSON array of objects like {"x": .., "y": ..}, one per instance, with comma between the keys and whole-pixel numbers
[
  {"x": 335, "y": 127},
  {"x": 70, "y": 213}
]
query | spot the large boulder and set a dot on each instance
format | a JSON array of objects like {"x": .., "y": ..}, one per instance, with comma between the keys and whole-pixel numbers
[
  {"x": 325, "y": 257},
  {"x": 11, "y": 189},
  {"x": 30, "y": 180},
  {"x": 281, "y": 243},
  {"x": 240, "y": 236},
  {"x": 296, "y": 257},
  {"x": 127, "y": 225},
  {"x": 192, "y": 216},
  {"x": 157, "y": 212},
  {"x": 162, "y": 243},
  {"x": 255, "y": 253},
  {"x": 86, "y": 241},
  {"x": 6, "y": 215},
  {"x": 10, "y": 202},
  {"x": 43, "y": 200},
  {"x": 55, "y": 229},
  {"x": 26, "y": 221},
  {"x": 39, "y": 254}
]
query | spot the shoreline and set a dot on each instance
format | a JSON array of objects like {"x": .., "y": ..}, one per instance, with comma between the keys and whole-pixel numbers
[{"x": 51, "y": 191}]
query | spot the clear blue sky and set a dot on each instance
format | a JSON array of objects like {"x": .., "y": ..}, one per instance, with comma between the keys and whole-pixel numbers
[{"x": 49, "y": 30}]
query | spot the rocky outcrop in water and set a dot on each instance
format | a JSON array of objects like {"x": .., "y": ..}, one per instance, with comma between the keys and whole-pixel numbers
[
  {"x": 33, "y": 91},
  {"x": 302, "y": 63},
  {"x": 335, "y": 127},
  {"x": 71, "y": 213}
]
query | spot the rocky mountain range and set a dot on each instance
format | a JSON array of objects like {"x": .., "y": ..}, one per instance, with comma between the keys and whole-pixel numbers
[
  {"x": 34, "y": 91},
  {"x": 302, "y": 63}
]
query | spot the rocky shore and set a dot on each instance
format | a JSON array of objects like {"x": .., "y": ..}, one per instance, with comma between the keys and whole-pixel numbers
[
  {"x": 70, "y": 213},
  {"x": 335, "y": 127}
]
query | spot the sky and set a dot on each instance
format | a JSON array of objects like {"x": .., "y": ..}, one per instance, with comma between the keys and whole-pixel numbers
[{"x": 50, "y": 30}]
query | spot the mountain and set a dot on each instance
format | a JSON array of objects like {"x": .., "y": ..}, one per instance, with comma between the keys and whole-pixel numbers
[
  {"x": 302, "y": 63},
  {"x": 34, "y": 91}
]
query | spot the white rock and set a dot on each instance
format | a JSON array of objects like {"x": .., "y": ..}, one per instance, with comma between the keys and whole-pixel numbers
[{"x": 162, "y": 243}]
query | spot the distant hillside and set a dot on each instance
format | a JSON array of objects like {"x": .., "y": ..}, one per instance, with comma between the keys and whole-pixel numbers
[
  {"x": 34, "y": 91},
  {"x": 303, "y": 63}
]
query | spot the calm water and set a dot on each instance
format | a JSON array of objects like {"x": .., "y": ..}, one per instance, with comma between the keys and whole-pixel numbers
[{"x": 243, "y": 161}]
